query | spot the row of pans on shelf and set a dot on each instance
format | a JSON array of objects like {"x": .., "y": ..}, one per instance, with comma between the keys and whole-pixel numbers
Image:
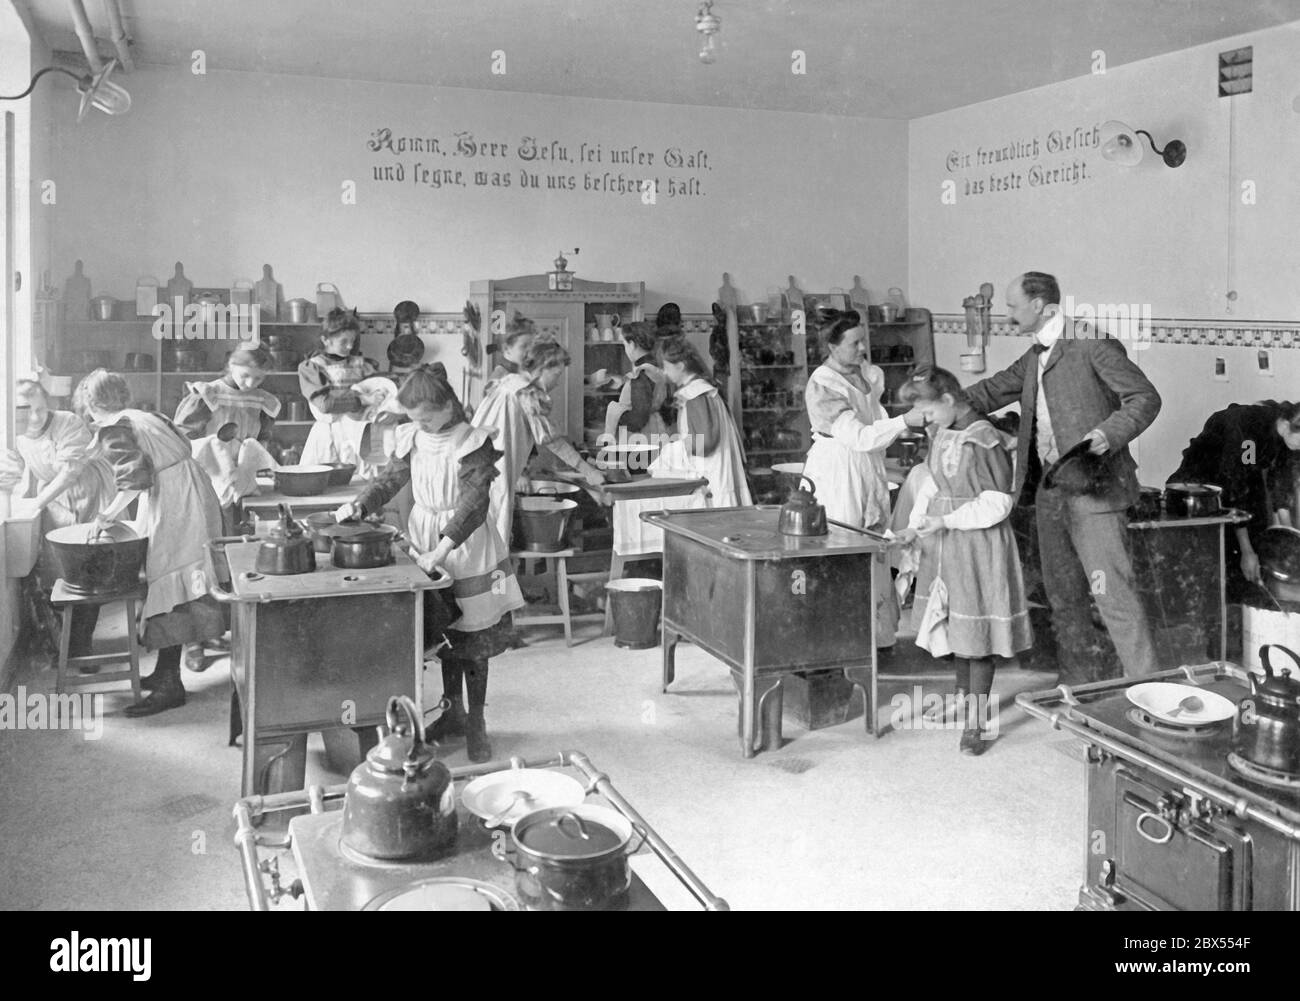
[{"x": 180, "y": 360}]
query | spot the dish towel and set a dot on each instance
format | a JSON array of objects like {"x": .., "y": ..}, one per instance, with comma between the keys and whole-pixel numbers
[
  {"x": 932, "y": 633},
  {"x": 232, "y": 465}
]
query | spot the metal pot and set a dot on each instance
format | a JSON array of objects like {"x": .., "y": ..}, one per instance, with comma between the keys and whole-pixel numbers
[
  {"x": 801, "y": 514},
  {"x": 910, "y": 445},
  {"x": 1192, "y": 500},
  {"x": 98, "y": 561},
  {"x": 296, "y": 410},
  {"x": 365, "y": 549},
  {"x": 302, "y": 481},
  {"x": 102, "y": 306},
  {"x": 572, "y": 858},
  {"x": 299, "y": 310},
  {"x": 1148, "y": 506},
  {"x": 341, "y": 473},
  {"x": 542, "y": 523},
  {"x": 137, "y": 361},
  {"x": 400, "y": 801},
  {"x": 91, "y": 360},
  {"x": 1268, "y": 721},
  {"x": 1279, "y": 554},
  {"x": 287, "y": 550},
  {"x": 190, "y": 360},
  {"x": 284, "y": 361}
]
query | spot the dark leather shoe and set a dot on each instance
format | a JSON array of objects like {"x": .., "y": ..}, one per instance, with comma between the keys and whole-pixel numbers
[
  {"x": 477, "y": 746},
  {"x": 149, "y": 682},
  {"x": 973, "y": 742},
  {"x": 450, "y": 724},
  {"x": 166, "y": 696}
]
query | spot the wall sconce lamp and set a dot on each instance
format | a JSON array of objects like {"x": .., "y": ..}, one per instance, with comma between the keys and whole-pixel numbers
[
  {"x": 1120, "y": 144},
  {"x": 96, "y": 91}
]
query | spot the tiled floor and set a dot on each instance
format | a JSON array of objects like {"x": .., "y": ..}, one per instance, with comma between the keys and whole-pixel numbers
[{"x": 140, "y": 818}]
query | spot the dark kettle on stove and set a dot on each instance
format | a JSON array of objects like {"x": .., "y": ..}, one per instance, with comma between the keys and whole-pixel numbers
[
  {"x": 801, "y": 514},
  {"x": 1268, "y": 720},
  {"x": 401, "y": 801},
  {"x": 288, "y": 549}
]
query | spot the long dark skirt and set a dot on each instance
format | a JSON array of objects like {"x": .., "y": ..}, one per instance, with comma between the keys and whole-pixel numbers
[{"x": 440, "y": 610}]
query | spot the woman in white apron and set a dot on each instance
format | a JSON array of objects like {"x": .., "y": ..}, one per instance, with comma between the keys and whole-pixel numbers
[
  {"x": 518, "y": 411},
  {"x": 66, "y": 480},
  {"x": 328, "y": 380},
  {"x": 851, "y": 431},
  {"x": 450, "y": 466},
  {"x": 178, "y": 512},
  {"x": 635, "y": 416},
  {"x": 707, "y": 443}
]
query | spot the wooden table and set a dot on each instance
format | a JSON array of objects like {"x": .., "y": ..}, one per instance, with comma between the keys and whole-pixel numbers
[
  {"x": 317, "y": 651},
  {"x": 768, "y": 604}
]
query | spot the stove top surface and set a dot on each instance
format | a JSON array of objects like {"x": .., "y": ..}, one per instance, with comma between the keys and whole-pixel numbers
[
  {"x": 751, "y": 533},
  {"x": 1203, "y": 751}
]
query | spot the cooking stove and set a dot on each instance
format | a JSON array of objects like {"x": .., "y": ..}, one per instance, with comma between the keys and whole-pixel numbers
[{"x": 1176, "y": 821}]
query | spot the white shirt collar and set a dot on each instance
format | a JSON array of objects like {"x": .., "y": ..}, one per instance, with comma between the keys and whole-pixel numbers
[{"x": 1050, "y": 332}]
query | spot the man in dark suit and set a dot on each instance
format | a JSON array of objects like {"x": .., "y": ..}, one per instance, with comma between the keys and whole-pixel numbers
[{"x": 1073, "y": 385}]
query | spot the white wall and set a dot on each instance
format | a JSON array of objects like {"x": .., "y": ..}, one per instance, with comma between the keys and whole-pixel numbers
[
  {"x": 230, "y": 170},
  {"x": 1146, "y": 235}
]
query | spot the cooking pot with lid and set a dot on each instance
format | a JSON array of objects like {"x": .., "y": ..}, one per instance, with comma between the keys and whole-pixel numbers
[
  {"x": 400, "y": 802},
  {"x": 1267, "y": 731},
  {"x": 572, "y": 858},
  {"x": 299, "y": 310},
  {"x": 1192, "y": 500},
  {"x": 365, "y": 549}
]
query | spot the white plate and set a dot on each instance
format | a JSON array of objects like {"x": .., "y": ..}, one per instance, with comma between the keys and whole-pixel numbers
[
  {"x": 488, "y": 795},
  {"x": 1160, "y": 697}
]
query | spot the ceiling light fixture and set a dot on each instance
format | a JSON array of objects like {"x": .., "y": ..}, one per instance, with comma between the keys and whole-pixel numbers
[
  {"x": 97, "y": 91},
  {"x": 707, "y": 24},
  {"x": 1119, "y": 144}
]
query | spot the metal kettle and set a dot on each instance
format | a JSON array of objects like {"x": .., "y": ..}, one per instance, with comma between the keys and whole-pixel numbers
[
  {"x": 801, "y": 514},
  {"x": 400, "y": 801},
  {"x": 1268, "y": 720},
  {"x": 288, "y": 550}
]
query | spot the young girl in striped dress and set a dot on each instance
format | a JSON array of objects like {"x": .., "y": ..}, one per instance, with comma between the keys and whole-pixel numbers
[{"x": 450, "y": 466}]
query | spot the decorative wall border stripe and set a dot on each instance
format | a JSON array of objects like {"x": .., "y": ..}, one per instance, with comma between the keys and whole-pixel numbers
[
  {"x": 1205, "y": 333},
  {"x": 443, "y": 324}
]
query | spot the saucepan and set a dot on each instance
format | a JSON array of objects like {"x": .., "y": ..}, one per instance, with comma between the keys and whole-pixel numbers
[
  {"x": 572, "y": 858},
  {"x": 369, "y": 547},
  {"x": 1192, "y": 500}
]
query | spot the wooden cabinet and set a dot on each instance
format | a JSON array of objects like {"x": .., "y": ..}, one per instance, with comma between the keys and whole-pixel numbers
[
  {"x": 771, "y": 364},
  {"x": 899, "y": 349},
  {"x": 567, "y": 318}
]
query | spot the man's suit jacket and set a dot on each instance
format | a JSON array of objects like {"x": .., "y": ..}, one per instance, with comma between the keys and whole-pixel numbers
[{"x": 1090, "y": 384}]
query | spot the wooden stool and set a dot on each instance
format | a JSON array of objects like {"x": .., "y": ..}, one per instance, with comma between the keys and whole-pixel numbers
[
  {"x": 558, "y": 563},
  {"x": 66, "y": 601}
]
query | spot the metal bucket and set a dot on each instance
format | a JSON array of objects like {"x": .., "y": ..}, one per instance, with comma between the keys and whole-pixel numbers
[
  {"x": 542, "y": 523},
  {"x": 106, "y": 561},
  {"x": 635, "y": 603}
]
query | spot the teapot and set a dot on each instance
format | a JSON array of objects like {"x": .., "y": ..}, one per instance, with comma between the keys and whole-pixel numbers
[
  {"x": 401, "y": 801},
  {"x": 801, "y": 514},
  {"x": 288, "y": 549},
  {"x": 1268, "y": 720}
]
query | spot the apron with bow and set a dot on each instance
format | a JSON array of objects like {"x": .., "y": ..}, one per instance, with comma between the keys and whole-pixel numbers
[{"x": 484, "y": 583}]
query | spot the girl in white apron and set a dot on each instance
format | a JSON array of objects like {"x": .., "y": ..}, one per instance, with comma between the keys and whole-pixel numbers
[
  {"x": 178, "y": 512},
  {"x": 637, "y": 409},
  {"x": 68, "y": 482},
  {"x": 328, "y": 378},
  {"x": 518, "y": 411},
  {"x": 450, "y": 466},
  {"x": 228, "y": 420},
  {"x": 976, "y": 607},
  {"x": 707, "y": 443},
  {"x": 850, "y": 432}
]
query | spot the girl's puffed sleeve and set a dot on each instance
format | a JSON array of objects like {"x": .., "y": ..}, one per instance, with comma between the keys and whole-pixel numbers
[
  {"x": 132, "y": 469},
  {"x": 192, "y": 416},
  {"x": 475, "y": 475},
  {"x": 387, "y": 485},
  {"x": 72, "y": 444}
]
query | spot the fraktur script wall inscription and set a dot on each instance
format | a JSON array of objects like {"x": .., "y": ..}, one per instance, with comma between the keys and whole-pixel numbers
[
  {"x": 1052, "y": 160},
  {"x": 459, "y": 160}
]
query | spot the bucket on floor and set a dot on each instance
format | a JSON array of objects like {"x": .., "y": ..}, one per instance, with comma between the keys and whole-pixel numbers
[{"x": 635, "y": 603}]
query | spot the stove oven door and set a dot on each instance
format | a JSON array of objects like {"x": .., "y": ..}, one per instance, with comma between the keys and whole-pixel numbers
[{"x": 1169, "y": 860}]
